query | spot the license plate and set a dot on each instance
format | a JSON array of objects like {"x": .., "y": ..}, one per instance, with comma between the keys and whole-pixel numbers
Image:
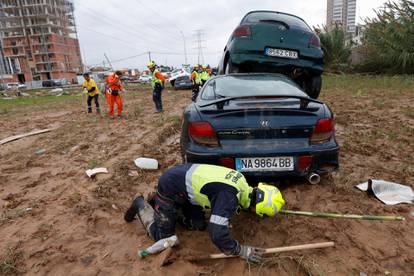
[
  {"x": 282, "y": 163},
  {"x": 273, "y": 52}
]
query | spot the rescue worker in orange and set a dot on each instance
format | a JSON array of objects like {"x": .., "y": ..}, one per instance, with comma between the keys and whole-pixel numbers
[
  {"x": 157, "y": 83},
  {"x": 114, "y": 87}
]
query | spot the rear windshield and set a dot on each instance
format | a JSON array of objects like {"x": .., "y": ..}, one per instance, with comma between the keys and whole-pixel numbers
[
  {"x": 290, "y": 20},
  {"x": 234, "y": 86}
]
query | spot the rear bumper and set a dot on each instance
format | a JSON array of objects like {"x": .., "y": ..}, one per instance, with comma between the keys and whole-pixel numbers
[
  {"x": 276, "y": 64},
  {"x": 183, "y": 85},
  {"x": 323, "y": 161}
]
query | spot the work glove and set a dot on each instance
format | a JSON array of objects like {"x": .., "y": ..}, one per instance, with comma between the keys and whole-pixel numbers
[{"x": 251, "y": 254}]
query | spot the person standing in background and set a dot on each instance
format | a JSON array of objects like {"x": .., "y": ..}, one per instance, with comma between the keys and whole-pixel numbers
[
  {"x": 157, "y": 83},
  {"x": 114, "y": 88},
  {"x": 93, "y": 92}
]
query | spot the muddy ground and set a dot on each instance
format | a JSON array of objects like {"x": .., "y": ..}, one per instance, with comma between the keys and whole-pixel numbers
[{"x": 75, "y": 224}]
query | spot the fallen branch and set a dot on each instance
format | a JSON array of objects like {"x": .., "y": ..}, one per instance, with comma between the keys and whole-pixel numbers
[{"x": 17, "y": 137}]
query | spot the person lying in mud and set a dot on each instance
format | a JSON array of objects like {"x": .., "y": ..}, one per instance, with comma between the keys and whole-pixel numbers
[{"x": 185, "y": 191}]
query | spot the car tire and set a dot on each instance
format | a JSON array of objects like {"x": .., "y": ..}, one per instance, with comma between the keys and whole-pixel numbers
[
  {"x": 313, "y": 86},
  {"x": 172, "y": 82},
  {"x": 230, "y": 68}
]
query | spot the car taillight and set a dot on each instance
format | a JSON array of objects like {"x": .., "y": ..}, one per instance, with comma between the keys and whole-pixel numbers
[
  {"x": 203, "y": 133},
  {"x": 304, "y": 162},
  {"x": 242, "y": 31},
  {"x": 226, "y": 162},
  {"x": 323, "y": 131},
  {"x": 314, "y": 41}
]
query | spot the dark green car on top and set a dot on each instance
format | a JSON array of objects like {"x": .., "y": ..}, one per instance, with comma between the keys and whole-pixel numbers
[{"x": 268, "y": 41}]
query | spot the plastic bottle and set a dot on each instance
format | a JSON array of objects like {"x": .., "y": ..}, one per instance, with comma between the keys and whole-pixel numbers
[
  {"x": 146, "y": 163},
  {"x": 159, "y": 246}
]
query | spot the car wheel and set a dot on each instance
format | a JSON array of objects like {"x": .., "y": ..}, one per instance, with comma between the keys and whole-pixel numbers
[
  {"x": 172, "y": 82},
  {"x": 230, "y": 68},
  {"x": 313, "y": 86}
]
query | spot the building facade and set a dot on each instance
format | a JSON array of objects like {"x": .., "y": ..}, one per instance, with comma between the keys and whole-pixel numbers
[
  {"x": 341, "y": 13},
  {"x": 39, "y": 40}
]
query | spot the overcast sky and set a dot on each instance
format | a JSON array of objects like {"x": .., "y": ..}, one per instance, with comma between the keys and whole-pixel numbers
[{"x": 128, "y": 28}]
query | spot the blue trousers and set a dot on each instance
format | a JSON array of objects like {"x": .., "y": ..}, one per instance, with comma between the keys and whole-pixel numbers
[{"x": 156, "y": 97}]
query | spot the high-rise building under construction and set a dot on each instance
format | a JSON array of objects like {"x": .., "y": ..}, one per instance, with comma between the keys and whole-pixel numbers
[
  {"x": 39, "y": 40},
  {"x": 341, "y": 13}
]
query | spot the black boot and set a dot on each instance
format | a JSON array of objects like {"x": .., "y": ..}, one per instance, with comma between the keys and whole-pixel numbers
[{"x": 137, "y": 204}]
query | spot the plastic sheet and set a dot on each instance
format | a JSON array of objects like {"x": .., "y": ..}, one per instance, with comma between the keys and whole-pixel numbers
[{"x": 389, "y": 193}]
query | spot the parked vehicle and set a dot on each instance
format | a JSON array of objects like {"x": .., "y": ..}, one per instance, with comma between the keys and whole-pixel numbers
[
  {"x": 260, "y": 124},
  {"x": 183, "y": 82},
  {"x": 53, "y": 83},
  {"x": 127, "y": 79},
  {"x": 15, "y": 86},
  {"x": 144, "y": 79},
  {"x": 268, "y": 41},
  {"x": 178, "y": 73}
]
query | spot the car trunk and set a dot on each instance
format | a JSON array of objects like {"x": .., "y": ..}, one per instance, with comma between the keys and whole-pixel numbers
[
  {"x": 262, "y": 127},
  {"x": 275, "y": 35}
]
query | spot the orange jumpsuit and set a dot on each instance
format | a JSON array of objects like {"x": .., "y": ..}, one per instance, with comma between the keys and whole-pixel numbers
[{"x": 115, "y": 85}]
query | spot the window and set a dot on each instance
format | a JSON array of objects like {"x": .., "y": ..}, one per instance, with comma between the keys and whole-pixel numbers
[
  {"x": 290, "y": 20},
  {"x": 253, "y": 85}
]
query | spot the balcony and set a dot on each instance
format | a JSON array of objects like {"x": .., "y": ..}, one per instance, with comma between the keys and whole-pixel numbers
[{"x": 22, "y": 45}]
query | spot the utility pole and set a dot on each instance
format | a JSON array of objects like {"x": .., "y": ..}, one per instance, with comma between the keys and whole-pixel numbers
[
  {"x": 199, "y": 34},
  {"x": 185, "y": 47},
  {"x": 109, "y": 62},
  {"x": 149, "y": 56}
]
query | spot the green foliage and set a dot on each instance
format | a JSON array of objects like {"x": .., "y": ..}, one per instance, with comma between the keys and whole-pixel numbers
[
  {"x": 336, "y": 50},
  {"x": 389, "y": 39}
]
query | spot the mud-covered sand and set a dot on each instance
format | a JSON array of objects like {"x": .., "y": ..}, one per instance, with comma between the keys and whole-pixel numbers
[{"x": 75, "y": 225}]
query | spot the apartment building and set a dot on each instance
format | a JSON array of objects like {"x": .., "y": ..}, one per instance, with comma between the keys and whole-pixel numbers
[
  {"x": 341, "y": 13},
  {"x": 39, "y": 40}
]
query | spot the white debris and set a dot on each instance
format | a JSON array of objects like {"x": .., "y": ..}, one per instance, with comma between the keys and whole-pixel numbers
[
  {"x": 389, "y": 193},
  {"x": 133, "y": 173},
  {"x": 56, "y": 91},
  {"x": 95, "y": 171},
  {"x": 146, "y": 163}
]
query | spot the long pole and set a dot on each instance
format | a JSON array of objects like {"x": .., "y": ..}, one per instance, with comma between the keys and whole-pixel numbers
[
  {"x": 109, "y": 62},
  {"x": 268, "y": 250},
  {"x": 185, "y": 47},
  {"x": 149, "y": 56},
  {"x": 344, "y": 216}
]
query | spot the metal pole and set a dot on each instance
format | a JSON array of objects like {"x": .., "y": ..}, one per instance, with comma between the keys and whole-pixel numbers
[
  {"x": 344, "y": 216},
  {"x": 149, "y": 56},
  {"x": 185, "y": 47},
  {"x": 109, "y": 62}
]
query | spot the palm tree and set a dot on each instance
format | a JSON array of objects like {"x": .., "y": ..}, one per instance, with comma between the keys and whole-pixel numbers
[
  {"x": 336, "y": 50},
  {"x": 389, "y": 39}
]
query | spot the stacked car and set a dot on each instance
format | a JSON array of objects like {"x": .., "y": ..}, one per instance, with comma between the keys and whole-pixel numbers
[
  {"x": 267, "y": 41},
  {"x": 260, "y": 116}
]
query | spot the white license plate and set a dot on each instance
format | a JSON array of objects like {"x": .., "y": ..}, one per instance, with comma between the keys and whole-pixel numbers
[
  {"x": 273, "y": 52},
  {"x": 283, "y": 163}
]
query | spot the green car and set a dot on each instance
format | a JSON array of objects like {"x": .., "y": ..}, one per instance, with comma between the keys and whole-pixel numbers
[{"x": 275, "y": 42}]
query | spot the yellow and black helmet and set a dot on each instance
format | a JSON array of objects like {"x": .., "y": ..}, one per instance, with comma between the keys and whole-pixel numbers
[
  {"x": 151, "y": 65},
  {"x": 269, "y": 200}
]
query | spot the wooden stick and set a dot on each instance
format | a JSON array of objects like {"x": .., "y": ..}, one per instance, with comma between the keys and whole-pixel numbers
[
  {"x": 16, "y": 137},
  {"x": 270, "y": 250}
]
